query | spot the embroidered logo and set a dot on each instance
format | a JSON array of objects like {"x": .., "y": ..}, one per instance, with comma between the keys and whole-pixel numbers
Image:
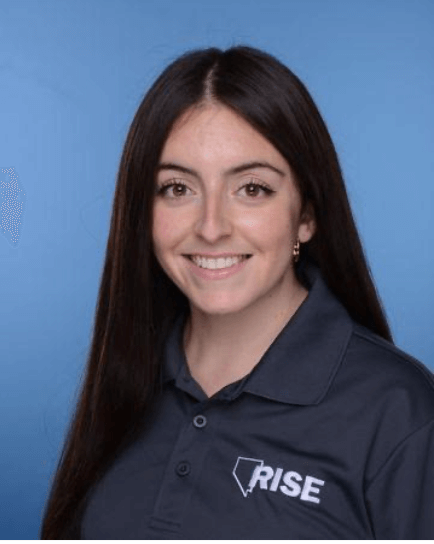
[{"x": 249, "y": 472}]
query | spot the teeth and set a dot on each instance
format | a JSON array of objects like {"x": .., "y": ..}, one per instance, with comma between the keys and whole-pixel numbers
[{"x": 217, "y": 263}]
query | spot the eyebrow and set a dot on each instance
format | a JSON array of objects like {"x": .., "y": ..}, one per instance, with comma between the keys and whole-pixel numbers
[{"x": 231, "y": 171}]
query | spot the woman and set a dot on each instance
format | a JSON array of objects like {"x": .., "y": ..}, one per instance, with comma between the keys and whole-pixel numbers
[{"x": 242, "y": 381}]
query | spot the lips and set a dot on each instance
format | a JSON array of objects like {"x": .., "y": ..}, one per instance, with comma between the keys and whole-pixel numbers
[
  {"x": 221, "y": 256},
  {"x": 216, "y": 273}
]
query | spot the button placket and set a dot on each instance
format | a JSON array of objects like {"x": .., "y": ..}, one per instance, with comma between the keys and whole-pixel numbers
[{"x": 186, "y": 464}]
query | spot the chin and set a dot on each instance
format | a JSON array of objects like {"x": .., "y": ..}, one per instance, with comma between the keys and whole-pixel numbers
[{"x": 219, "y": 307}]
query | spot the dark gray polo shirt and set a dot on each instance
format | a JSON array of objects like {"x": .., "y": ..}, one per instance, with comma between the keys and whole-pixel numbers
[{"x": 331, "y": 436}]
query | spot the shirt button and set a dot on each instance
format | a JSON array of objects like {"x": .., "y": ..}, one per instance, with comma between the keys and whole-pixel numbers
[
  {"x": 183, "y": 468},
  {"x": 199, "y": 421}
]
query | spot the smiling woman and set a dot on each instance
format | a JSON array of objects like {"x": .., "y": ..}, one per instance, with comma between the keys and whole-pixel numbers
[
  {"x": 242, "y": 381},
  {"x": 240, "y": 199}
]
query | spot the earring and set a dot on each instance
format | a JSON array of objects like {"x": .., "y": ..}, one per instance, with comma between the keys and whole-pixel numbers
[{"x": 296, "y": 251}]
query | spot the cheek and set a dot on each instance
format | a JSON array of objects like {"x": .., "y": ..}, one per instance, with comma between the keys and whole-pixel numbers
[
  {"x": 272, "y": 230},
  {"x": 165, "y": 228},
  {"x": 160, "y": 230}
]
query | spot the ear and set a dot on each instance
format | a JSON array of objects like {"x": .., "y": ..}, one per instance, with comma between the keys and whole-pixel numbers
[{"x": 307, "y": 226}]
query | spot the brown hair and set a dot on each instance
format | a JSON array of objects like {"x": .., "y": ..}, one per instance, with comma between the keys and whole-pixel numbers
[{"x": 137, "y": 302}]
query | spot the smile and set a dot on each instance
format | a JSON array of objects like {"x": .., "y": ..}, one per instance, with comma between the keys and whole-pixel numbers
[
  {"x": 217, "y": 264},
  {"x": 233, "y": 266}
]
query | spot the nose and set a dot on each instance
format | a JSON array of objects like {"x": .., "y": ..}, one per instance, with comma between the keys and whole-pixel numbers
[{"x": 213, "y": 219}]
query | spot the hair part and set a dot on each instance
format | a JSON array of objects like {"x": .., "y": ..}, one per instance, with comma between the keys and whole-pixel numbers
[{"x": 137, "y": 302}]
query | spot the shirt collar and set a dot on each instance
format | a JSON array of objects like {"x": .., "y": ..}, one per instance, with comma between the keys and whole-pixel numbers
[{"x": 299, "y": 366}]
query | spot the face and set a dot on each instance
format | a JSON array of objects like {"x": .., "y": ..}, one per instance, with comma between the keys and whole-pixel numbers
[{"x": 205, "y": 204}]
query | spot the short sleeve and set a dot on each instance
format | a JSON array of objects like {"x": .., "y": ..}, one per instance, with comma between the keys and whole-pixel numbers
[{"x": 400, "y": 498}]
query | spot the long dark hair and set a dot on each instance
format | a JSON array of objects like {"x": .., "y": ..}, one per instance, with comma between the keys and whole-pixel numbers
[{"x": 137, "y": 303}]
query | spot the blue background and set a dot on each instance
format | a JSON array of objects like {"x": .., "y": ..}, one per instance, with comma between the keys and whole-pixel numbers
[{"x": 72, "y": 76}]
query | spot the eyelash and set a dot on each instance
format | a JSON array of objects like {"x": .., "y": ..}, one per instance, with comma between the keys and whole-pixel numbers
[{"x": 162, "y": 190}]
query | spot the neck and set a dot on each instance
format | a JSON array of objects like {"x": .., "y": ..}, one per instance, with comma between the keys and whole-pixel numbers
[{"x": 222, "y": 348}]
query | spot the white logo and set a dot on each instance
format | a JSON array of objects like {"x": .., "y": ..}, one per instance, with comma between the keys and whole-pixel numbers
[{"x": 248, "y": 472}]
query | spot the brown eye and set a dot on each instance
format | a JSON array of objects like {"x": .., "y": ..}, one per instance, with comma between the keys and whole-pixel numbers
[
  {"x": 252, "y": 189},
  {"x": 178, "y": 188}
]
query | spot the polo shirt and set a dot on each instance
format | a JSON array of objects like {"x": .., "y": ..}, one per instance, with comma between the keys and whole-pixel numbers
[{"x": 330, "y": 436}]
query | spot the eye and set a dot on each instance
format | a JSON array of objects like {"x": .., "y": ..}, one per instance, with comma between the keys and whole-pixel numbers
[
  {"x": 180, "y": 186},
  {"x": 253, "y": 186}
]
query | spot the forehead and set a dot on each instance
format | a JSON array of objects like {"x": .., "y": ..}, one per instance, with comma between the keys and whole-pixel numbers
[{"x": 212, "y": 134}]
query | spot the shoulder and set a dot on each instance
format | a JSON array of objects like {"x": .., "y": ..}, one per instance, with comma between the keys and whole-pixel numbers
[
  {"x": 385, "y": 372},
  {"x": 385, "y": 364},
  {"x": 387, "y": 390},
  {"x": 385, "y": 397}
]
